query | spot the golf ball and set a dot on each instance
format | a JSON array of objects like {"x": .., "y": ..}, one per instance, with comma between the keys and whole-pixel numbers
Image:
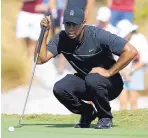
[{"x": 11, "y": 129}]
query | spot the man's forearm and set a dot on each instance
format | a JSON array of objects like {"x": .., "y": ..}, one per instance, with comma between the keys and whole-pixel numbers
[{"x": 125, "y": 58}]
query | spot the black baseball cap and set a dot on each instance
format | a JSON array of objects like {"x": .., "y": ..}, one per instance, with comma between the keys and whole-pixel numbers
[{"x": 74, "y": 15}]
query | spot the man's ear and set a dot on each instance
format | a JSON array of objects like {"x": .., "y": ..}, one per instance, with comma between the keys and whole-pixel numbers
[{"x": 84, "y": 22}]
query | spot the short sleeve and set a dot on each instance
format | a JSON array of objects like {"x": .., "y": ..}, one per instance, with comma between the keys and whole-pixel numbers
[
  {"x": 52, "y": 45},
  {"x": 112, "y": 42}
]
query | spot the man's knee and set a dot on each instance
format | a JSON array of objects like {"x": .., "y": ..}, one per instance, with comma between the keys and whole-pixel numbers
[
  {"x": 58, "y": 89},
  {"x": 94, "y": 80}
]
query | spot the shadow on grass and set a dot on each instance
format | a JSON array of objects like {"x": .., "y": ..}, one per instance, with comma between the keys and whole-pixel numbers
[
  {"x": 50, "y": 125},
  {"x": 94, "y": 125},
  {"x": 60, "y": 125}
]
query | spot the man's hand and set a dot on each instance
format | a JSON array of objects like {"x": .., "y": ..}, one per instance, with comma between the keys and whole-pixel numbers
[
  {"x": 46, "y": 22},
  {"x": 101, "y": 71}
]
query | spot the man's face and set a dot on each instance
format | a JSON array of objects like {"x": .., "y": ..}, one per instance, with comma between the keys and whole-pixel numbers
[{"x": 73, "y": 30}]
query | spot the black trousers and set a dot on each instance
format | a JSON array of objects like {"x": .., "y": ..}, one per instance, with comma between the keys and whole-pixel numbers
[{"x": 73, "y": 89}]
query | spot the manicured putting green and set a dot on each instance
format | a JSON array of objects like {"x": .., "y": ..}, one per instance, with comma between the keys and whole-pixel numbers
[{"x": 127, "y": 124}]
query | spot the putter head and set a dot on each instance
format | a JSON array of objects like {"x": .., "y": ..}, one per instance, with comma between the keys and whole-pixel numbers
[{"x": 18, "y": 126}]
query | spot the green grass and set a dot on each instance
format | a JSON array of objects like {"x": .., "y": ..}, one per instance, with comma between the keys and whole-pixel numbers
[{"x": 127, "y": 124}]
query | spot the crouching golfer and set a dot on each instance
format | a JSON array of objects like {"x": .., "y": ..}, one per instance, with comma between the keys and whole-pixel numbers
[{"x": 89, "y": 50}]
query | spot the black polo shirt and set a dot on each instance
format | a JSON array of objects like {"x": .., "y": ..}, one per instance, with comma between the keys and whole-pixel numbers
[{"x": 95, "y": 50}]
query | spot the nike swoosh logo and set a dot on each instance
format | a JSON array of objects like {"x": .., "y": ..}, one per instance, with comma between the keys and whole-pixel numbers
[{"x": 91, "y": 50}]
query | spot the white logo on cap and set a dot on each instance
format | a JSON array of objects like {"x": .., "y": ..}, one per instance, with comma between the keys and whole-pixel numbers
[{"x": 71, "y": 12}]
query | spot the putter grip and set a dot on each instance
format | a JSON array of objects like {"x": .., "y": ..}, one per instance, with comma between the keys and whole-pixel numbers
[{"x": 40, "y": 40}]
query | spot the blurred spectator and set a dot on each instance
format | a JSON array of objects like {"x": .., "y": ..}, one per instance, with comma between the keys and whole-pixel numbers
[
  {"x": 46, "y": 1},
  {"x": 86, "y": 5},
  {"x": 28, "y": 23},
  {"x": 56, "y": 10},
  {"x": 121, "y": 9},
  {"x": 103, "y": 20},
  {"x": 43, "y": 7},
  {"x": 133, "y": 74}
]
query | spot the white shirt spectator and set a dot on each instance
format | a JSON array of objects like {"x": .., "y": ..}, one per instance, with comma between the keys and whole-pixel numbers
[
  {"x": 141, "y": 44},
  {"x": 139, "y": 41},
  {"x": 111, "y": 29},
  {"x": 103, "y": 19}
]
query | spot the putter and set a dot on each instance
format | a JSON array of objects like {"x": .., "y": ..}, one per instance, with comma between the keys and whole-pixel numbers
[{"x": 37, "y": 52}]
